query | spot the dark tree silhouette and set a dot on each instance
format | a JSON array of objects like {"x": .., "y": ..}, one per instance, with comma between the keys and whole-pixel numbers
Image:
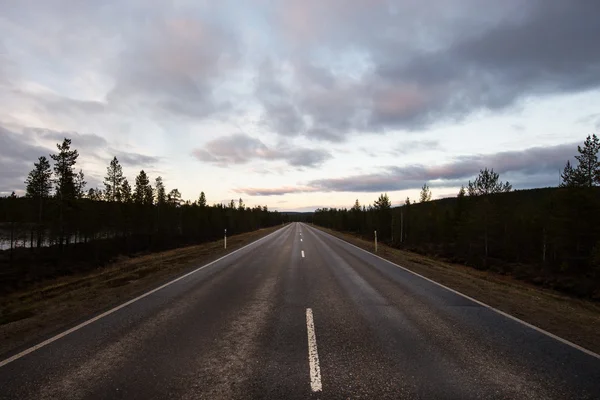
[
  {"x": 113, "y": 182},
  {"x": 488, "y": 182}
]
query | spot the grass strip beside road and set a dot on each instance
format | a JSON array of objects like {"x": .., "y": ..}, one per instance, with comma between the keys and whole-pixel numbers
[
  {"x": 573, "y": 319},
  {"x": 31, "y": 315}
]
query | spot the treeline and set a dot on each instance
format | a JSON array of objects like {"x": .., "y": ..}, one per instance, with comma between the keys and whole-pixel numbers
[
  {"x": 547, "y": 236},
  {"x": 58, "y": 227}
]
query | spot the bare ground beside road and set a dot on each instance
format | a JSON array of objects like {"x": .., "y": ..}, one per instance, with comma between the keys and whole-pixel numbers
[
  {"x": 573, "y": 319},
  {"x": 51, "y": 306}
]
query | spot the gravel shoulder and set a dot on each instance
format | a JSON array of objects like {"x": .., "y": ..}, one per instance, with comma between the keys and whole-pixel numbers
[{"x": 573, "y": 319}]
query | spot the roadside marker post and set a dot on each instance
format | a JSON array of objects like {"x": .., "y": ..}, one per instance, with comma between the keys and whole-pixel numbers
[
  {"x": 225, "y": 237},
  {"x": 375, "y": 241}
]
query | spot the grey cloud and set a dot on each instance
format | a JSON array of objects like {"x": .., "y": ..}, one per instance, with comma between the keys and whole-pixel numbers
[
  {"x": 533, "y": 167},
  {"x": 275, "y": 191},
  {"x": 79, "y": 140},
  {"x": 135, "y": 159},
  {"x": 425, "y": 68},
  {"x": 17, "y": 155},
  {"x": 18, "y": 152},
  {"x": 241, "y": 149},
  {"x": 175, "y": 64},
  {"x": 411, "y": 146}
]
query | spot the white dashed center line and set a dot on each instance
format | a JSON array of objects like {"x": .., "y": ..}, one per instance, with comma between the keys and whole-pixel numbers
[
  {"x": 313, "y": 355},
  {"x": 302, "y": 253}
]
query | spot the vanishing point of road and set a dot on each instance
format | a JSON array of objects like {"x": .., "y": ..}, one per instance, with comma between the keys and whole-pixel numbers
[{"x": 300, "y": 314}]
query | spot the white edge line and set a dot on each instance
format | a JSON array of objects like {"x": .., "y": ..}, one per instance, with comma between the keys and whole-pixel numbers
[
  {"x": 313, "y": 354},
  {"x": 117, "y": 308},
  {"x": 553, "y": 336}
]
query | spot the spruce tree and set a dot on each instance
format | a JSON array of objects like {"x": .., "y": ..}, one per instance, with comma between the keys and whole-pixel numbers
[
  {"x": 113, "y": 181},
  {"x": 202, "y": 200},
  {"x": 39, "y": 180},
  {"x": 568, "y": 176},
  {"x": 143, "y": 191},
  {"x": 39, "y": 185},
  {"x": 80, "y": 185},
  {"x": 161, "y": 193},
  {"x": 64, "y": 170},
  {"x": 125, "y": 191},
  {"x": 587, "y": 172}
]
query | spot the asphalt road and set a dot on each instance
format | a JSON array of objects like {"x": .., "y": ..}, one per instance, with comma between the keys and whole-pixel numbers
[{"x": 301, "y": 314}]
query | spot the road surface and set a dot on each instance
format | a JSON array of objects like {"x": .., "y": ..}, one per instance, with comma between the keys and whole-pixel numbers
[{"x": 300, "y": 314}]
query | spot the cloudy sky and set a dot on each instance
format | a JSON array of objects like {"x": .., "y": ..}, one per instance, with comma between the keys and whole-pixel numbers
[{"x": 300, "y": 104}]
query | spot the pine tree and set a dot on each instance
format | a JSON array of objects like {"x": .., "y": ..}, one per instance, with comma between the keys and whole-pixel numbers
[
  {"x": 39, "y": 180},
  {"x": 425, "y": 193},
  {"x": 125, "y": 191},
  {"x": 161, "y": 192},
  {"x": 587, "y": 172},
  {"x": 487, "y": 182},
  {"x": 461, "y": 192},
  {"x": 80, "y": 185},
  {"x": 356, "y": 206},
  {"x": 64, "y": 170},
  {"x": 202, "y": 200},
  {"x": 383, "y": 202},
  {"x": 113, "y": 181},
  {"x": 241, "y": 204},
  {"x": 143, "y": 190},
  {"x": 174, "y": 197},
  {"x": 39, "y": 185},
  {"x": 568, "y": 176}
]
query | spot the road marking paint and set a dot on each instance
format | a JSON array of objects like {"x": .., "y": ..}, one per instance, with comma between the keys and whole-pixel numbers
[
  {"x": 302, "y": 253},
  {"x": 527, "y": 324},
  {"x": 313, "y": 355},
  {"x": 300, "y": 239},
  {"x": 104, "y": 314}
]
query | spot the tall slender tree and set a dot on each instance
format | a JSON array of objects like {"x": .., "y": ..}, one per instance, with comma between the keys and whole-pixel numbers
[
  {"x": 64, "y": 170},
  {"x": 80, "y": 185},
  {"x": 64, "y": 177},
  {"x": 39, "y": 185},
  {"x": 125, "y": 191},
  {"x": 113, "y": 182},
  {"x": 202, "y": 200},
  {"x": 425, "y": 193},
  {"x": 143, "y": 190},
  {"x": 161, "y": 192}
]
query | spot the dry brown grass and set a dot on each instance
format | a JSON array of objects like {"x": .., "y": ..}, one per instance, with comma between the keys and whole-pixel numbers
[
  {"x": 29, "y": 315},
  {"x": 576, "y": 320}
]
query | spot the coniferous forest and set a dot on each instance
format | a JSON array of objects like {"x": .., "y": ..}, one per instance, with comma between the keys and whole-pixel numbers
[
  {"x": 548, "y": 236},
  {"x": 59, "y": 228}
]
